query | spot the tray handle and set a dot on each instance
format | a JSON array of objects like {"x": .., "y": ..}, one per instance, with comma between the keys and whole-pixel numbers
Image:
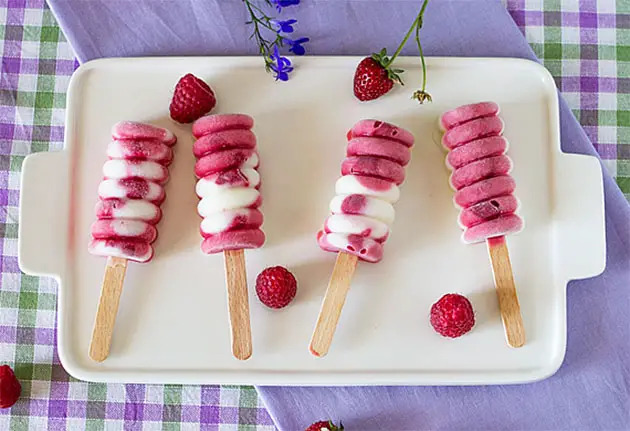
[
  {"x": 42, "y": 231},
  {"x": 579, "y": 214}
]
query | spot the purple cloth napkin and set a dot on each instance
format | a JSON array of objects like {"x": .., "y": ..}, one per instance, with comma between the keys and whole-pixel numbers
[{"x": 592, "y": 388}]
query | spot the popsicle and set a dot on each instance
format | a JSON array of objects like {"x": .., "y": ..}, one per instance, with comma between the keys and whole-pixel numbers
[
  {"x": 128, "y": 209},
  {"x": 484, "y": 190},
  {"x": 228, "y": 187},
  {"x": 362, "y": 212}
]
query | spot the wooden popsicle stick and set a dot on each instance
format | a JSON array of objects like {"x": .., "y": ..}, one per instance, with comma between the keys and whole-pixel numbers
[
  {"x": 113, "y": 280},
  {"x": 506, "y": 291},
  {"x": 238, "y": 303},
  {"x": 332, "y": 305}
]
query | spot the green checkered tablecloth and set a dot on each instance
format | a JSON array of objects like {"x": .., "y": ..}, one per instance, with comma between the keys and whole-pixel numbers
[
  {"x": 585, "y": 44},
  {"x": 586, "y": 47}
]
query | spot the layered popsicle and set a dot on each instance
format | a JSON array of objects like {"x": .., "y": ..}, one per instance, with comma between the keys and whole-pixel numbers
[
  {"x": 131, "y": 191},
  {"x": 480, "y": 172},
  {"x": 128, "y": 209},
  {"x": 484, "y": 190},
  {"x": 362, "y": 212},
  {"x": 228, "y": 184},
  {"x": 228, "y": 187}
]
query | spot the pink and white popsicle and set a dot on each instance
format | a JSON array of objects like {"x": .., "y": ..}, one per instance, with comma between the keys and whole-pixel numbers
[
  {"x": 228, "y": 187},
  {"x": 128, "y": 209},
  {"x": 132, "y": 191},
  {"x": 484, "y": 190},
  {"x": 228, "y": 183},
  {"x": 362, "y": 212}
]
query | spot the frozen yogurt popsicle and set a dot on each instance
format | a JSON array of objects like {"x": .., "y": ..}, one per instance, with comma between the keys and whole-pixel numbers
[
  {"x": 228, "y": 187},
  {"x": 131, "y": 191},
  {"x": 362, "y": 211},
  {"x": 484, "y": 190},
  {"x": 228, "y": 183},
  {"x": 128, "y": 209},
  {"x": 480, "y": 171}
]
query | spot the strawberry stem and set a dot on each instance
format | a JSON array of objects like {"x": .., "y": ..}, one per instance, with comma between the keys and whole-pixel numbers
[
  {"x": 417, "y": 24},
  {"x": 402, "y": 44}
]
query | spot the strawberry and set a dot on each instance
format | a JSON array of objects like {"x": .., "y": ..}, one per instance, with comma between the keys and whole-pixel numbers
[
  {"x": 10, "y": 388},
  {"x": 373, "y": 77},
  {"x": 192, "y": 99},
  {"x": 276, "y": 287},
  {"x": 452, "y": 316},
  {"x": 325, "y": 426}
]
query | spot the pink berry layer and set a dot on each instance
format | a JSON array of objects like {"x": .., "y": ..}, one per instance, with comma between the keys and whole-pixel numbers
[
  {"x": 381, "y": 129},
  {"x": 211, "y": 124},
  {"x": 233, "y": 240},
  {"x": 466, "y": 113}
]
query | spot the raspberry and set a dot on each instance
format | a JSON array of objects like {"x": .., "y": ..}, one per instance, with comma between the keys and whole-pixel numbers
[
  {"x": 276, "y": 287},
  {"x": 192, "y": 99},
  {"x": 452, "y": 316},
  {"x": 10, "y": 388}
]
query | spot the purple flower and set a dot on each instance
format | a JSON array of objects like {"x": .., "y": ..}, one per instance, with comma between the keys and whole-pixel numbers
[
  {"x": 296, "y": 45},
  {"x": 284, "y": 3},
  {"x": 280, "y": 65},
  {"x": 264, "y": 25},
  {"x": 283, "y": 26}
]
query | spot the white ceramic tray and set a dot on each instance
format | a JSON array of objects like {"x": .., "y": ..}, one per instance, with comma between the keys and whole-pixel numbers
[{"x": 172, "y": 324}]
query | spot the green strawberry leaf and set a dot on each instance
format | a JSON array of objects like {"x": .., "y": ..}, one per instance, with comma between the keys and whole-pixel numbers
[{"x": 394, "y": 76}]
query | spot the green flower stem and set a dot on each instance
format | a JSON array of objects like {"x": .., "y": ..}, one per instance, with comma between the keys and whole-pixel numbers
[
  {"x": 262, "y": 43},
  {"x": 265, "y": 21},
  {"x": 259, "y": 19},
  {"x": 424, "y": 66}
]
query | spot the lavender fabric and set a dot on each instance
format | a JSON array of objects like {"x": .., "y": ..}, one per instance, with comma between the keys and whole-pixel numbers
[{"x": 592, "y": 388}]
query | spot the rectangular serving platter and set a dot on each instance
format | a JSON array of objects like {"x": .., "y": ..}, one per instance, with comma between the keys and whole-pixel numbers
[{"x": 172, "y": 324}]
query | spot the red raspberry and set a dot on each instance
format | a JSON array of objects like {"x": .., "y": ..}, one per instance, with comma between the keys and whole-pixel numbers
[
  {"x": 10, "y": 388},
  {"x": 324, "y": 426},
  {"x": 192, "y": 99},
  {"x": 452, "y": 316},
  {"x": 276, "y": 287}
]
